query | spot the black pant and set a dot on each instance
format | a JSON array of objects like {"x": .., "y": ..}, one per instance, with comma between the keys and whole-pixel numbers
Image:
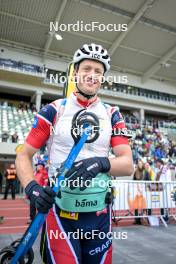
[
  {"x": 10, "y": 184},
  {"x": 0, "y": 186},
  {"x": 164, "y": 213},
  {"x": 136, "y": 213},
  {"x": 137, "y": 219}
]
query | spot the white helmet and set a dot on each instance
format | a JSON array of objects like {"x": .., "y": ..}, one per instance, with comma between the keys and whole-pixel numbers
[{"x": 94, "y": 52}]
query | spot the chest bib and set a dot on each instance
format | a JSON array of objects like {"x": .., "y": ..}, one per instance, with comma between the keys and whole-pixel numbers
[{"x": 60, "y": 144}]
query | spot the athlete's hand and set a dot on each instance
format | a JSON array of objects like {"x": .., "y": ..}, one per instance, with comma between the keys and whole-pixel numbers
[
  {"x": 42, "y": 197},
  {"x": 86, "y": 170}
]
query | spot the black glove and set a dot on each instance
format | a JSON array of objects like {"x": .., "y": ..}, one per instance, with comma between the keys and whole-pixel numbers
[
  {"x": 86, "y": 170},
  {"x": 42, "y": 197}
]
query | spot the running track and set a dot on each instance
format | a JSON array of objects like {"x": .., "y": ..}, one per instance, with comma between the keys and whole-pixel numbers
[{"x": 15, "y": 214}]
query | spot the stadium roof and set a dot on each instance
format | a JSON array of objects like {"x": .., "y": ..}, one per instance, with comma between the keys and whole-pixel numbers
[{"x": 147, "y": 48}]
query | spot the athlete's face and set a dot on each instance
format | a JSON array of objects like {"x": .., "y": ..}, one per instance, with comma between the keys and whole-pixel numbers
[{"x": 89, "y": 76}]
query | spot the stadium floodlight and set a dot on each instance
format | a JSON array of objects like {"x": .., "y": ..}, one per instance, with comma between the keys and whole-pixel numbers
[{"x": 58, "y": 37}]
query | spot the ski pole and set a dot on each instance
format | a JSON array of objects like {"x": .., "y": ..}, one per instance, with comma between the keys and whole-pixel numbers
[{"x": 32, "y": 232}]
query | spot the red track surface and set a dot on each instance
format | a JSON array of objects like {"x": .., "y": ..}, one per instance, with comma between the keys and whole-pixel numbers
[{"x": 15, "y": 214}]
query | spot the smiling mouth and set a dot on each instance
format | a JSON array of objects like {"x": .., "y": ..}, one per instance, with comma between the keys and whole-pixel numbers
[{"x": 91, "y": 81}]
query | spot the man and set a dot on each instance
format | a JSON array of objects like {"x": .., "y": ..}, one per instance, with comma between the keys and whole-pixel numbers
[
  {"x": 1, "y": 181},
  {"x": 41, "y": 174},
  {"x": 11, "y": 178},
  {"x": 41, "y": 177},
  {"x": 162, "y": 173},
  {"x": 138, "y": 176},
  {"x": 91, "y": 62},
  {"x": 5, "y": 136},
  {"x": 15, "y": 138}
]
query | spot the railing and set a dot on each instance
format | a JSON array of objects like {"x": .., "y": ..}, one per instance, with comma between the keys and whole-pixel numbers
[{"x": 147, "y": 198}]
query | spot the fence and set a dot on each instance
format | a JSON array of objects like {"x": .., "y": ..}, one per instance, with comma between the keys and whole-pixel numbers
[{"x": 144, "y": 199}]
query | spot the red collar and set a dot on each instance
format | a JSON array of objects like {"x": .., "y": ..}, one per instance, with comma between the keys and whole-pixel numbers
[{"x": 85, "y": 103}]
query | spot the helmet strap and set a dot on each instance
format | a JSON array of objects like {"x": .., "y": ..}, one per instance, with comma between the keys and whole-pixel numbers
[{"x": 88, "y": 96}]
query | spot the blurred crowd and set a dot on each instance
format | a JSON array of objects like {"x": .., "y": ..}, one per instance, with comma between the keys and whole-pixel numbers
[
  {"x": 26, "y": 106},
  {"x": 150, "y": 145}
]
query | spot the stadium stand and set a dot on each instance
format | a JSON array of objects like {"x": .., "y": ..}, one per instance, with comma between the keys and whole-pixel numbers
[
  {"x": 33, "y": 65},
  {"x": 13, "y": 119},
  {"x": 137, "y": 91}
]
